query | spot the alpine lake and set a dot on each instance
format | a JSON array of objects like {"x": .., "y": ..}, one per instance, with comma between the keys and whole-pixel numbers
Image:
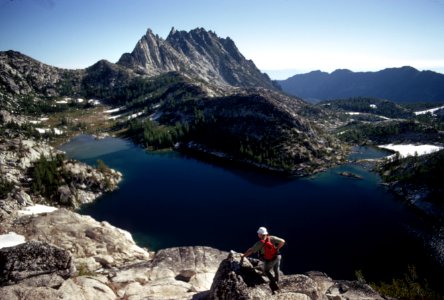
[{"x": 331, "y": 223}]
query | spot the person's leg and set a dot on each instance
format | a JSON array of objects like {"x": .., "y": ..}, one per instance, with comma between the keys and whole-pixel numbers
[
  {"x": 268, "y": 265},
  {"x": 276, "y": 268}
]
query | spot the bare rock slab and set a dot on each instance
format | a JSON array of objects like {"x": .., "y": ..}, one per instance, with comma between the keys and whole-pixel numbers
[{"x": 33, "y": 259}]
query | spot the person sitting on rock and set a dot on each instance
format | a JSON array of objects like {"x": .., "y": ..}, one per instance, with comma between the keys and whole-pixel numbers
[{"x": 268, "y": 246}]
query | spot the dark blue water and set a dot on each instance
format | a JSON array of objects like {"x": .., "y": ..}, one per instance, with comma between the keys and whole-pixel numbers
[{"x": 331, "y": 223}]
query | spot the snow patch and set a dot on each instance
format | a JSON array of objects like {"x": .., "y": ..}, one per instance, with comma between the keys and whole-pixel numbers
[
  {"x": 11, "y": 239},
  {"x": 114, "y": 117},
  {"x": 411, "y": 150},
  {"x": 382, "y": 117},
  {"x": 429, "y": 111},
  {"x": 135, "y": 115},
  {"x": 373, "y": 106},
  {"x": 94, "y": 102},
  {"x": 155, "y": 116},
  {"x": 42, "y": 130},
  {"x": 37, "y": 209},
  {"x": 110, "y": 111},
  {"x": 352, "y": 113},
  {"x": 57, "y": 131}
]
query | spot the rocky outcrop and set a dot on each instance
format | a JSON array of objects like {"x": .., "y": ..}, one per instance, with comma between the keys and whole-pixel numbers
[
  {"x": 38, "y": 270},
  {"x": 109, "y": 264},
  {"x": 16, "y": 157},
  {"x": 80, "y": 183},
  {"x": 236, "y": 279},
  {"x": 175, "y": 273},
  {"x": 92, "y": 244},
  {"x": 197, "y": 54},
  {"x": 34, "y": 261},
  {"x": 86, "y": 183}
]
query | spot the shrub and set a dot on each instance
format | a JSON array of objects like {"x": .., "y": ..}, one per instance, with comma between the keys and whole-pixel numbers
[
  {"x": 410, "y": 286},
  {"x": 5, "y": 188},
  {"x": 102, "y": 167},
  {"x": 47, "y": 175}
]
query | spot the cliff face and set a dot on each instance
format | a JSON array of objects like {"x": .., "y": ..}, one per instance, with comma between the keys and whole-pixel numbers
[{"x": 198, "y": 54}]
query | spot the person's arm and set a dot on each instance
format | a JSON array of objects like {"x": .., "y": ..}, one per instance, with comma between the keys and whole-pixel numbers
[
  {"x": 247, "y": 253},
  {"x": 281, "y": 244}
]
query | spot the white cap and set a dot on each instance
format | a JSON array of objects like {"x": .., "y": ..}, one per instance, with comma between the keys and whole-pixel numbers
[{"x": 262, "y": 230}]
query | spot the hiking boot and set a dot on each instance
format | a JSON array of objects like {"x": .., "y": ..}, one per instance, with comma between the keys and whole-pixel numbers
[{"x": 274, "y": 287}]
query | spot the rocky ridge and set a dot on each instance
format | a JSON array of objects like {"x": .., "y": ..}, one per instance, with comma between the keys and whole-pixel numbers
[
  {"x": 21, "y": 74},
  {"x": 23, "y": 78},
  {"x": 102, "y": 262},
  {"x": 402, "y": 85},
  {"x": 197, "y": 54}
]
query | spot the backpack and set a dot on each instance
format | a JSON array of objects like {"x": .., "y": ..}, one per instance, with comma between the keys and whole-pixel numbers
[{"x": 270, "y": 251}]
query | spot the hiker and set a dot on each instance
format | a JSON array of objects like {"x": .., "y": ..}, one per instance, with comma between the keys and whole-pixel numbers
[{"x": 268, "y": 246}]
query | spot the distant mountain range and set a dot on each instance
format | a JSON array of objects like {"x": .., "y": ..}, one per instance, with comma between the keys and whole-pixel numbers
[{"x": 402, "y": 85}]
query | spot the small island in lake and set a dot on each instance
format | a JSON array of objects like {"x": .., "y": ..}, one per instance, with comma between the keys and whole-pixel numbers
[{"x": 350, "y": 174}]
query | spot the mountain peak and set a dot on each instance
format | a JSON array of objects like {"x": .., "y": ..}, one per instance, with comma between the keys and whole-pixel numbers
[
  {"x": 199, "y": 54},
  {"x": 341, "y": 71},
  {"x": 150, "y": 33}
]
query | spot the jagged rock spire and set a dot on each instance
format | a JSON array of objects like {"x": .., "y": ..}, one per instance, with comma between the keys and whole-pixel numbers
[{"x": 197, "y": 54}]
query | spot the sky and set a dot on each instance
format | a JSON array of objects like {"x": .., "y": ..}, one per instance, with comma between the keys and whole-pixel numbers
[{"x": 282, "y": 37}]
